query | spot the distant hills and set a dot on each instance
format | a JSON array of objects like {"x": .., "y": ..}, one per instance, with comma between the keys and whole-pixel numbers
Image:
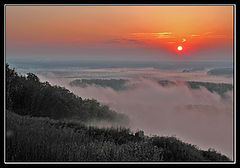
[
  {"x": 193, "y": 69},
  {"x": 220, "y": 88},
  {"x": 116, "y": 84},
  {"x": 120, "y": 84}
]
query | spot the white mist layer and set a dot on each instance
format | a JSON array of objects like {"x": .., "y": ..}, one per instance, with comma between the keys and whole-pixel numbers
[{"x": 195, "y": 116}]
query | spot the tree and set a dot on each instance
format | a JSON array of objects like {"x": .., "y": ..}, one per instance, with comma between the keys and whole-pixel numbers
[{"x": 32, "y": 77}]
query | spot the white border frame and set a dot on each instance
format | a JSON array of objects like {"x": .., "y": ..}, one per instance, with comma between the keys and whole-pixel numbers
[{"x": 111, "y": 162}]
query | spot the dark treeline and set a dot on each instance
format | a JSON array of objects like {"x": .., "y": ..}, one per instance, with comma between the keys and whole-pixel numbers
[
  {"x": 26, "y": 95},
  {"x": 119, "y": 84},
  {"x": 221, "y": 71},
  {"x": 166, "y": 83},
  {"x": 116, "y": 84},
  {"x": 220, "y": 88}
]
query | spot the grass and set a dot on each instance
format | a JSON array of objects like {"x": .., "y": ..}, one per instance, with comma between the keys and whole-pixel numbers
[{"x": 44, "y": 139}]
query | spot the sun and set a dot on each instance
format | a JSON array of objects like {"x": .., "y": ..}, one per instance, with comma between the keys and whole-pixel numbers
[{"x": 179, "y": 48}]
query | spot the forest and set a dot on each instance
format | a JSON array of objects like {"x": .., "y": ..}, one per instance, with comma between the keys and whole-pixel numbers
[
  {"x": 220, "y": 88},
  {"x": 116, "y": 84},
  {"x": 120, "y": 84},
  {"x": 26, "y": 95}
]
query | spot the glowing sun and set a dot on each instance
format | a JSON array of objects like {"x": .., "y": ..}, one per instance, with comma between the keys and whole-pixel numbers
[{"x": 179, "y": 48}]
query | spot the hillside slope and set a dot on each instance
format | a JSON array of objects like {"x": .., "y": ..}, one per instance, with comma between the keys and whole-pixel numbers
[
  {"x": 26, "y": 95},
  {"x": 44, "y": 139}
]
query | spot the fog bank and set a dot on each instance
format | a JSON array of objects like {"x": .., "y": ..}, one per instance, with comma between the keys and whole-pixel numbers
[{"x": 195, "y": 116}]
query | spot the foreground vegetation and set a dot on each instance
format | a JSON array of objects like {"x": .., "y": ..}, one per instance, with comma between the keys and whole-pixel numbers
[
  {"x": 44, "y": 139},
  {"x": 26, "y": 95}
]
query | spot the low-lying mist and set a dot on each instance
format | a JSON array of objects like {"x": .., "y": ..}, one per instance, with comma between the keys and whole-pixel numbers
[{"x": 195, "y": 116}]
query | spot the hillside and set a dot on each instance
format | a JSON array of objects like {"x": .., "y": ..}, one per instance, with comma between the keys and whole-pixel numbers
[
  {"x": 26, "y": 95},
  {"x": 44, "y": 139}
]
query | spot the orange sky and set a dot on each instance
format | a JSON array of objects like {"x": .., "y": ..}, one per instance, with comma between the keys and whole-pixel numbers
[{"x": 158, "y": 27}]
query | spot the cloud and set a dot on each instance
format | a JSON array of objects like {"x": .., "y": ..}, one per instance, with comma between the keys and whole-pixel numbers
[
  {"x": 210, "y": 35},
  {"x": 207, "y": 33},
  {"x": 163, "y": 35},
  {"x": 197, "y": 119},
  {"x": 218, "y": 36},
  {"x": 184, "y": 40},
  {"x": 194, "y": 116},
  {"x": 195, "y": 35},
  {"x": 124, "y": 41},
  {"x": 172, "y": 42}
]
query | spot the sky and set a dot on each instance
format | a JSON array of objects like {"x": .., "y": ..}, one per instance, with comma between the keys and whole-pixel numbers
[{"x": 119, "y": 32}]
